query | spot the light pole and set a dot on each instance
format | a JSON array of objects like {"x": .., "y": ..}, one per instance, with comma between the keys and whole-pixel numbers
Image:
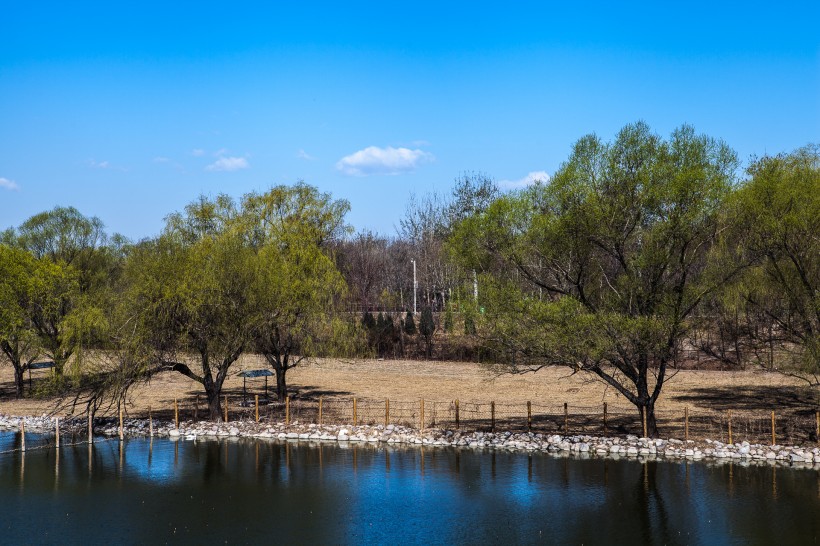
[{"x": 415, "y": 286}]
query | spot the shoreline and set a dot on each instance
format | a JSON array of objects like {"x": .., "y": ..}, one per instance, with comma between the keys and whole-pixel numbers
[{"x": 584, "y": 446}]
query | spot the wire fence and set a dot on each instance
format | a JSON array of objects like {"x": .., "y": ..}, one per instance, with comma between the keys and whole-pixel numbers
[{"x": 781, "y": 426}]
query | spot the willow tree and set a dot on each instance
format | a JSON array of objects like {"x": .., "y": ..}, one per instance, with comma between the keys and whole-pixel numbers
[
  {"x": 186, "y": 301},
  {"x": 602, "y": 268},
  {"x": 226, "y": 278},
  {"x": 18, "y": 340},
  {"x": 777, "y": 224},
  {"x": 297, "y": 286}
]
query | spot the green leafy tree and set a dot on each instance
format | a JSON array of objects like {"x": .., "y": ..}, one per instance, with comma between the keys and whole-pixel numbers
[
  {"x": 602, "y": 268},
  {"x": 18, "y": 340},
  {"x": 776, "y": 222}
]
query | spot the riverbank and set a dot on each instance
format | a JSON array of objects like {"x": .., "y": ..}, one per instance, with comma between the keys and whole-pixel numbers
[{"x": 578, "y": 445}]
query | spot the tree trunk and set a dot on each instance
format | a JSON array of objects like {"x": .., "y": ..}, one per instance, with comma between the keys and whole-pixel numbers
[
  {"x": 281, "y": 383},
  {"x": 212, "y": 392},
  {"x": 18, "y": 379}
]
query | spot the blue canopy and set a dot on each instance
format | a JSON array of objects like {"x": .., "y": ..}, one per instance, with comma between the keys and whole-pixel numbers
[{"x": 255, "y": 373}]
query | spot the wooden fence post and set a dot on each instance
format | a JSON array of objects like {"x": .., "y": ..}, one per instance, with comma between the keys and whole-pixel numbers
[
  {"x": 604, "y": 418},
  {"x": 386, "y": 411},
  {"x": 492, "y": 416},
  {"x": 458, "y": 417},
  {"x": 90, "y": 427},
  {"x": 150, "y": 423},
  {"x": 122, "y": 432},
  {"x": 686, "y": 423},
  {"x": 226, "y": 408},
  {"x": 817, "y": 425},
  {"x": 287, "y": 410},
  {"x": 529, "y": 416},
  {"x": 320, "y": 410},
  {"x": 196, "y": 409},
  {"x": 355, "y": 417},
  {"x": 256, "y": 406},
  {"x": 422, "y": 414},
  {"x": 57, "y": 431},
  {"x": 176, "y": 413},
  {"x": 729, "y": 418},
  {"x": 774, "y": 437},
  {"x": 23, "y": 435},
  {"x": 566, "y": 418},
  {"x": 643, "y": 419}
]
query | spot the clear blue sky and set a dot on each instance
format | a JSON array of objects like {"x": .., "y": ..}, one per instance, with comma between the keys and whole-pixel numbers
[{"x": 128, "y": 113}]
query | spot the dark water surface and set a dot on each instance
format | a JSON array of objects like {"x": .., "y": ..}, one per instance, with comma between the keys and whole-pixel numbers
[{"x": 243, "y": 491}]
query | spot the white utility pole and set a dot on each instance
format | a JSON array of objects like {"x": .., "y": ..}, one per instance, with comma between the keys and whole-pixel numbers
[
  {"x": 475, "y": 286},
  {"x": 415, "y": 286}
]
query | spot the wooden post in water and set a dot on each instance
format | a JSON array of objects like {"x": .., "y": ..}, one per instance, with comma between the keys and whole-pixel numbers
[
  {"x": 529, "y": 416},
  {"x": 122, "y": 432},
  {"x": 90, "y": 427},
  {"x": 774, "y": 438},
  {"x": 729, "y": 419},
  {"x": 604, "y": 418},
  {"x": 686, "y": 423},
  {"x": 386, "y": 411},
  {"x": 320, "y": 410},
  {"x": 354, "y": 412},
  {"x": 256, "y": 406},
  {"x": 226, "y": 408},
  {"x": 566, "y": 418},
  {"x": 150, "y": 423},
  {"x": 57, "y": 431},
  {"x": 23, "y": 435},
  {"x": 492, "y": 416},
  {"x": 287, "y": 410},
  {"x": 458, "y": 417},
  {"x": 176, "y": 413}
]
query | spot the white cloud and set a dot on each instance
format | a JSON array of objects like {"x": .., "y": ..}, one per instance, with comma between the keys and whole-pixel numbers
[
  {"x": 7, "y": 184},
  {"x": 98, "y": 164},
  {"x": 228, "y": 164},
  {"x": 301, "y": 154},
  {"x": 197, "y": 152},
  {"x": 529, "y": 180},
  {"x": 375, "y": 160},
  {"x": 161, "y": 159}
]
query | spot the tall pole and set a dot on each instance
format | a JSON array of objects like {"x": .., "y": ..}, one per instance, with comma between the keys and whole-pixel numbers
[
  {"x": 475, "y": 286},
  {"x": 415, "y": 286}
]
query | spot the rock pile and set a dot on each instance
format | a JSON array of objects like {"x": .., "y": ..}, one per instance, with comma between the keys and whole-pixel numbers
[{"x": 579, "y": 445}]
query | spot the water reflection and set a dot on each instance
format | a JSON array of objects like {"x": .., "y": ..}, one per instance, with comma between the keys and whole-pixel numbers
[{"x": 155, "y": 490}]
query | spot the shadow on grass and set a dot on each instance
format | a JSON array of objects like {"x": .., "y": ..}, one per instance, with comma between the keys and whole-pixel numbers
[{"x": 752, "y": 398}]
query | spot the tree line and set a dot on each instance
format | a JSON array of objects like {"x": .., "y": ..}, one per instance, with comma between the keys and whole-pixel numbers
[{"x": 635, "y": 252}]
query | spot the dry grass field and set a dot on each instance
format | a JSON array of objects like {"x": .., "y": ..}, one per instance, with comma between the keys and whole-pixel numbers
[{"x": 405, "y": 380}]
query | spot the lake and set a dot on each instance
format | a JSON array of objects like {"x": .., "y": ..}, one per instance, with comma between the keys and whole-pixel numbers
[{"x": 246, "y": 491}]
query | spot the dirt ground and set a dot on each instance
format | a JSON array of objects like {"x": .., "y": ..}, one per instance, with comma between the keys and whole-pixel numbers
[{"x": 404, "y": 380}]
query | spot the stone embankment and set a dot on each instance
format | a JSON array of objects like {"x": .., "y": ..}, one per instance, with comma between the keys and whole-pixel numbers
[{"x": 394, "y": 435}]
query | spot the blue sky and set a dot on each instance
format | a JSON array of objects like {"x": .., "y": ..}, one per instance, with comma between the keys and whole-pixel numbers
[{"x": 129, "y": 113}]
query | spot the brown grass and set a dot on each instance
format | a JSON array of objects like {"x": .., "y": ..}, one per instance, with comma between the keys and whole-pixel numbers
[{"x": 702, "y": 391}]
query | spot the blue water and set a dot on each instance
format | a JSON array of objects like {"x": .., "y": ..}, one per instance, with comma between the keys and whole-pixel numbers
[{"x": 244, "y": 491}]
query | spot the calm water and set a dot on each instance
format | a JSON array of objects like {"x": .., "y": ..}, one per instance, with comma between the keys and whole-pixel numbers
[{"x": 252, "y": 492}]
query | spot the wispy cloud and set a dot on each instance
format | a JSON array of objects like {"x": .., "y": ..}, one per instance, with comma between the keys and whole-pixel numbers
[
  {"x": 530, "y": 179},
  {"x": 301, "y": 154},
  {"x": 197, "y": 152},
  {"x": 161, "y": 159},
  {"x": 375, "y": 160},
  {"x": 94, "y": 164},
  {"x": 7, "y": 184},
  {"x": 228, "y": 163}
]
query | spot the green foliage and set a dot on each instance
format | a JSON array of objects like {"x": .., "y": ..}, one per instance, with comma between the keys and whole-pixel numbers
[
  {"x": 776, "y": 221},
  {"x": 623, "y": 231},
  {"x": 449, "y": 320},
  {"x": 427, "y": 328}
]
